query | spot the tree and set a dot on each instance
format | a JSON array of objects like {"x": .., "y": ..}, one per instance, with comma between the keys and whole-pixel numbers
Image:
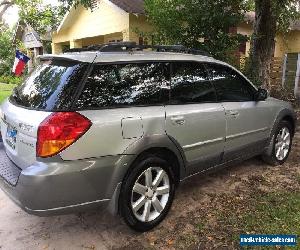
[
  {"x": 7, "y": 54},
  {"x": 198, "y": 24},
  {"x": 272, "y": 17},
  {"x": 41, "y": 17}
]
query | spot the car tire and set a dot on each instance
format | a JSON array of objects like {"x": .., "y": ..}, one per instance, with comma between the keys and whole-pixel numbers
[
  {"x": 279, "y": 148},
  {"x": 147, "y": 193}
]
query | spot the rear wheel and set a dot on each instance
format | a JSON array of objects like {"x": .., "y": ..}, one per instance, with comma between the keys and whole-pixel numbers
[
  {"x": 147, "y": 193},
  {"x": 280, "y": 145}
]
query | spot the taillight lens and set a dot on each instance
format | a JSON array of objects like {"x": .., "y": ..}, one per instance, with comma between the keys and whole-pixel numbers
[{"x": 59, "y": 131}]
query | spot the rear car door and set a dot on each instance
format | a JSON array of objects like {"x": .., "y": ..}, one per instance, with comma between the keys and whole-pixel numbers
[
  {"x": 247, "y": 121},
  {"x": 193, "y": 117}
]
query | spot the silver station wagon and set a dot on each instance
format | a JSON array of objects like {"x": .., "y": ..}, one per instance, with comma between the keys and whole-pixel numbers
[{"x": 119, "y": 126}]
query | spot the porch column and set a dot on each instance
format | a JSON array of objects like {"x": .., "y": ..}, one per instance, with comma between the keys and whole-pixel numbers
[
  {"x": 75, "y": 44},
  {"x": 56, "y": 48}
]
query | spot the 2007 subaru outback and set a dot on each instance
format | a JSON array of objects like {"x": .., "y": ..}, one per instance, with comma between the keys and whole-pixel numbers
[{"x": 121, "y": 129}]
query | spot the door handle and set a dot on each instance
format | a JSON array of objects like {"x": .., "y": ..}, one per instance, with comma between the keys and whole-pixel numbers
[
  {"x": 178, "y": 120},
  {"x": 233, "y": 113}
]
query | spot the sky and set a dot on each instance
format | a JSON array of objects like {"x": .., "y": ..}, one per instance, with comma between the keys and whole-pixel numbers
[{"x": 11, "y": 16}]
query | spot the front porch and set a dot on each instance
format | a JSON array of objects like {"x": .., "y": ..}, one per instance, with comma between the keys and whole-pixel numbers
[{"x": 60, "y": 47}]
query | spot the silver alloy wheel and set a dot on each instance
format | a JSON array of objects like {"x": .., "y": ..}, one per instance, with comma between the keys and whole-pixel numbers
[
  {"x": 282, "y": 143},
  {"x": 150, "y": 194}
]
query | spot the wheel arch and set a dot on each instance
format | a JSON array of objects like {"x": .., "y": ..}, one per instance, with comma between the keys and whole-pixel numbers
[
  {"x": 161, "y": 145},
  {"x": 286, "y": 115}
]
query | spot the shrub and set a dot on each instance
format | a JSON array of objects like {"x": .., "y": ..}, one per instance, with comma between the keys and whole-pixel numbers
[{"x": 11, "y": 80}]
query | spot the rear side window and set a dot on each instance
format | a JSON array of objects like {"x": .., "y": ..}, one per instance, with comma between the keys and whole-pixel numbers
[
  {"x": 230, "y": 85},
  {"x": 190, "y": 84},
  {"x": 50, "y": 86},
  {"x": 124, "y": 85}
]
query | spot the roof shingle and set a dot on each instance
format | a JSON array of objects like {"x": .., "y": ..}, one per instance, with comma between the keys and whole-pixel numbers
[{"x": 130, "y": 6}]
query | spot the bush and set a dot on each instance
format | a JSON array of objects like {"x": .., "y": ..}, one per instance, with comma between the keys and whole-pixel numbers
[{"x": 11, "y": 80}]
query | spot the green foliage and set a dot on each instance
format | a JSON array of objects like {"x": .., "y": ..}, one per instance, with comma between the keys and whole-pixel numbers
[
  {"x": 11, "y": 80},
  {"x": 69, "y": 3},
  {"x": 5, "y": 90},
  {"x": 285, "y": 12},
  {"x": 197, "y": 24},
  {"x": 7, "y": 51},
  {"x": 41, "y": 17}
]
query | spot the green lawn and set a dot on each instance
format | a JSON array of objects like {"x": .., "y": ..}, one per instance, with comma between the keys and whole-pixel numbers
[{"x": 5, "y": 91}]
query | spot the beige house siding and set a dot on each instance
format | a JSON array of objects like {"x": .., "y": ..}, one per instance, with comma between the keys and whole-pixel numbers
[
  {"x": 83, "y": 27},
  {"x": 138, "y": 27},
  {"x": 288, "y": 43},
  {"x": 109, "y": 23}
]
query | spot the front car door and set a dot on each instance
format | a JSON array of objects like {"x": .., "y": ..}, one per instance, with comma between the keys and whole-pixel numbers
[
  {"x": 193, "y": 118},
  {"x": 247, "y": 121}
]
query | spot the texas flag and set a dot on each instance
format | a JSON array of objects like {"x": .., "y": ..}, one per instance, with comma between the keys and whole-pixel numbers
[{"x": 20, "y": 63}]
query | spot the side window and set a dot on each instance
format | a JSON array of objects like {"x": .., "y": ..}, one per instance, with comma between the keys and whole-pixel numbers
[
  {"x": 230, "y": 85},
  {"x": 124, "y": 85},
  {"x": 190, "y": 84}
]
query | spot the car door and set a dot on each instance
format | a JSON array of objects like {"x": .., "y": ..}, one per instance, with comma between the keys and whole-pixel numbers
[
  {"x": 193, "y": 117},
  {"x": 247, "y": 121}
]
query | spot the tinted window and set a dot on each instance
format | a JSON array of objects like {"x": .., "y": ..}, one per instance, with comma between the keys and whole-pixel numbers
[
  {"x": 230, "y": 85},
  {"x": 50, "y": 86},
  {"x": 124, "y": 85},
  {"x": 190, "y": 84}
]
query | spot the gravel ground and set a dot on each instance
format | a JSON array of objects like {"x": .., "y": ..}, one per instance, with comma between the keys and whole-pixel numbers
[{"x": 100, "y": 230}]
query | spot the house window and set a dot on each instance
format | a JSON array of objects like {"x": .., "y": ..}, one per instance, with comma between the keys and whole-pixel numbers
[{"x": 94, "y": 4}]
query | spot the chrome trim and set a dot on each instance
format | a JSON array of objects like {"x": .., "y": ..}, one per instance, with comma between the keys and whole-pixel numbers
[
  {"x": 198, "y": 144},
  {"x": 247, "y": 133}
]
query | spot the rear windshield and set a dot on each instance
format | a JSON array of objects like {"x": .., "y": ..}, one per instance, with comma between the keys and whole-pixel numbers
[{"x": 50, "y": 86}]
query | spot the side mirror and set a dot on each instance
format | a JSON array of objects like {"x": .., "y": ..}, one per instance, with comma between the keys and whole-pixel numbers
[{"x": 261, "y": 95}]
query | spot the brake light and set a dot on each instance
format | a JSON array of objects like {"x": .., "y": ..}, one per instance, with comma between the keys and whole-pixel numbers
[{"x": 59, "y": 131}]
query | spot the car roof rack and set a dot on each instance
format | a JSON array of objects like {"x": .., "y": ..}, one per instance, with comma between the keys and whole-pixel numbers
[{"x": 132, "y": 46}]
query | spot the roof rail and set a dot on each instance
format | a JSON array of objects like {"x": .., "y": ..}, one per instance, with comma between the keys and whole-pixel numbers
[{"x": 132, "y": 46}]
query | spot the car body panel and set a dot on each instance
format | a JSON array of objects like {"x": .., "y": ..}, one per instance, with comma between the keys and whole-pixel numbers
[
  {"x": 200, "y": 130},
  {"x": 26, "y": 123},
  {"x": 246, "y": 123},
  {"x": 106, "y": 136}
]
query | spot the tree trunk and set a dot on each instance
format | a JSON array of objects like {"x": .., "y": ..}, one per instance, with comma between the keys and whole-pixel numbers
[
  {"x": 263, "y": 42},
  {"x": 4, "y": 5}
]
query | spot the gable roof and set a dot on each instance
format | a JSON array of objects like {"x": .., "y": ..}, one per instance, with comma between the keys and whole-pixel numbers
[{"x": 130, "y": 6}]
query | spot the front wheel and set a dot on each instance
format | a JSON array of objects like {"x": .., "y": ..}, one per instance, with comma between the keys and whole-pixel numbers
[
  {"x": 147, "y": 193},
  {"x": 281, "y": 144}
]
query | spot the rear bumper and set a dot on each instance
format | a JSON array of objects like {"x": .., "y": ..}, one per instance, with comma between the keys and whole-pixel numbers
[{"x": 52, "y": 188}]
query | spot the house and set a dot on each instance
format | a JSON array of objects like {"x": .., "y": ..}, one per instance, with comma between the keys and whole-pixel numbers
[
  {"x": 119, "y": 20},
  {"x": 33, "y": 42},
  {"x": 107, "y": 21},
  {"x": 285, "y": 43}
]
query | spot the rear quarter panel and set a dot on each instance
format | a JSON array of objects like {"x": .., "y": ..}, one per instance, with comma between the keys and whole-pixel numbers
[{"x": 114, "y": 130}]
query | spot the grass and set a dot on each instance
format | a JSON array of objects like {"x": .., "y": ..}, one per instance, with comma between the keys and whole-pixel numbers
[
  {"x": 5, "y": 91},
  {"x": 261, "y": 213},
  {"x": 272, "y": 213}
]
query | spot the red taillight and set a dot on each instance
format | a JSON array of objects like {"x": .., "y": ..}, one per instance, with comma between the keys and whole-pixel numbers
[{"x": 59, "y": 131}]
